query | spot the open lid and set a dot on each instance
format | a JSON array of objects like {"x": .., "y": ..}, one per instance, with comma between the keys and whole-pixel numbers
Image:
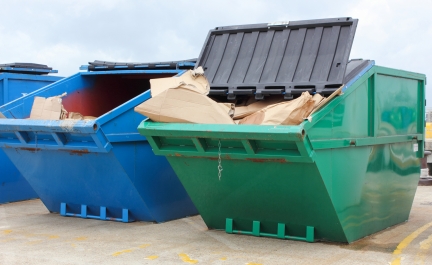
[
  {"x": 278, "y": 58},
  {"x": 356, "y": 66},
  {"x": 27, "y": 68},
  {"x": 109, "y": 66}
]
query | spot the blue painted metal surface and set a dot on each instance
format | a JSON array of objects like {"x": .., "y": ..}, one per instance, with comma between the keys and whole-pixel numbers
[
  {"x": 13, "y": 186},
  {"x": 358, "y": 76},
  {"x": 101, "y": 168}
]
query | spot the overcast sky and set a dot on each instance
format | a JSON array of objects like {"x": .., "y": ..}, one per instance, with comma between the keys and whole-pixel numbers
[{"x": 67, "y": 34}]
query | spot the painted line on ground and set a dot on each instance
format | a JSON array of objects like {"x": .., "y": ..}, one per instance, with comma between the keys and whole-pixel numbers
[{"x": 405, "y": 242}]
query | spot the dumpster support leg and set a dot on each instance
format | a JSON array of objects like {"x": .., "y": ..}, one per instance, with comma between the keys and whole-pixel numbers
[
  {"x": 256, "y": 228},
  {"x": 281, "y": 231},
  {"x": 310, "y": 234},
  {"x": 103, "y": 213},
  {"x": 229, "y": 225},
  {"x": 63, "y": 209},
  {"x": 83, "y": 211},
  {"x": 125, "y": 216},
  {"x": 256, "y": 231}
]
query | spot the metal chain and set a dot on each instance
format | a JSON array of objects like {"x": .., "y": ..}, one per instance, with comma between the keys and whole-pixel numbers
[{"x": 220, "y": 162}]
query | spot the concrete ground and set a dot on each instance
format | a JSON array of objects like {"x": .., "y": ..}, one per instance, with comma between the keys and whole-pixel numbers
[{"x": 29, "y": 234}]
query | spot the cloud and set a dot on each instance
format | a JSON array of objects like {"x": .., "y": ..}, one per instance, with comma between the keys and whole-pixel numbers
[{"x": 67, "y": 34}]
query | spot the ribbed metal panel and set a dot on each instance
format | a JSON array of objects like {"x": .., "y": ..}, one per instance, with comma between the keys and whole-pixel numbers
[{"x": 288, "y": 59}]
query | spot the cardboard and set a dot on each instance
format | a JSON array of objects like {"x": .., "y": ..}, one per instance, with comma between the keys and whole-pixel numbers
[
  {"x": 48, "y": 108},
  {"x": 2, "y": 116},
  {"x": 317, "y": 98},
  {"x": 243, "y": 111},
  {"x": 75, "y": 116},
  {"x": 79, "y": 116},
  {"x": 291, "y": 112},
  {"x": 184, "y": 99},
  {"x": 326, "y": 100},
  {"x": 185, "y": 106},
  {"x": 228, "y": 108},
  {"x": 193, "y": 80}
]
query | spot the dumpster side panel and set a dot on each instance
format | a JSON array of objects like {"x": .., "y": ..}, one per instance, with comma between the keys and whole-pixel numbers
[
  {"x": 383, "y": 106},
  {"x": 20, "y": 108},
  {"x": 396, "y": 102},
  {"x": 94, "y": 177},
  {"x": 374, "y": 131},
  {"x": 165, "y": 196},
  {"x": 348, "y": 119},
  {"x": 96, "y": 165},
  {"x": 155, "y": 181},
  {"x": 262, "y": 191},
  {"x": 375, "y": 187},
  {"x": 13, "y": 186},
  {"x": 23, "y": 87}
]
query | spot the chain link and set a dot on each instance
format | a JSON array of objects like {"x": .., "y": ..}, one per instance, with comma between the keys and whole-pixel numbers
[{"x": 220, "y": 162}]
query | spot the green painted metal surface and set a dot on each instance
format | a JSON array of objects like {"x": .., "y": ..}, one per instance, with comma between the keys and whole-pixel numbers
[{"x": 350, "y": 171}]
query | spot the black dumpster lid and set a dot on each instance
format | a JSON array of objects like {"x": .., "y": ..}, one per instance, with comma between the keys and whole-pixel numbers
[
  {"x": 26, "y": 68},
  {"x": 109, "y": 66},
  {"x": 354, "y": 67},
  {"x": 278, "y": 58}
]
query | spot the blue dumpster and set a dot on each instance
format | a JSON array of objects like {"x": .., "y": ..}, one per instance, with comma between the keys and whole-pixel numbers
[
  {"x": 16, "y": 80},
  {"x": 97, "y": 168}
]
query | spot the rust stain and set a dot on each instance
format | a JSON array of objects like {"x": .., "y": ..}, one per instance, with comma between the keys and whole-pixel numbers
[
  {"x": 76, "y": 152},
  {"x": 177, "y": 154},
  {"x": 30, "y": 149},
  {"x": 260, "y": 160}
]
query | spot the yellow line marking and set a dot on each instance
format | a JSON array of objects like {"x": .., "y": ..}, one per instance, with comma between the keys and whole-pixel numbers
[
  {"x": 81, "y": 238},
  {"x": 405, "y": 242},
  {"x": 186, "y": 258},
  {"x": 424, "y": 247},
  {"x": 73, "y": 245},
  {"x": 53, "y": 237},
  {"x": 152, "y": 257},
  {"x": 7, "y": 232},
  {"x": 426, "y": 244},
  {"x": 224, "y": 258},
  {"x": 144, "y": 245},
  {"x": 118, "y": 253}
]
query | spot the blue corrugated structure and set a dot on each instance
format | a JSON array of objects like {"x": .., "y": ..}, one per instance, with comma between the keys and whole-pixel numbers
[
  {"x": 97, "y": 168},
  {"x": 17, "y": 80}
]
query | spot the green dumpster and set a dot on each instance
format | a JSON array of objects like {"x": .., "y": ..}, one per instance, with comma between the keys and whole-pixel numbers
[{"x": 348, "y": 171}]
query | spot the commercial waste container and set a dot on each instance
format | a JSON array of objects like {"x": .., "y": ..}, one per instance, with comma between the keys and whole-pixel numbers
[
  {"x": 348, "y": 171},
  {"x": 98, "y": 168},
  {"x": 16, "y": 80}
]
